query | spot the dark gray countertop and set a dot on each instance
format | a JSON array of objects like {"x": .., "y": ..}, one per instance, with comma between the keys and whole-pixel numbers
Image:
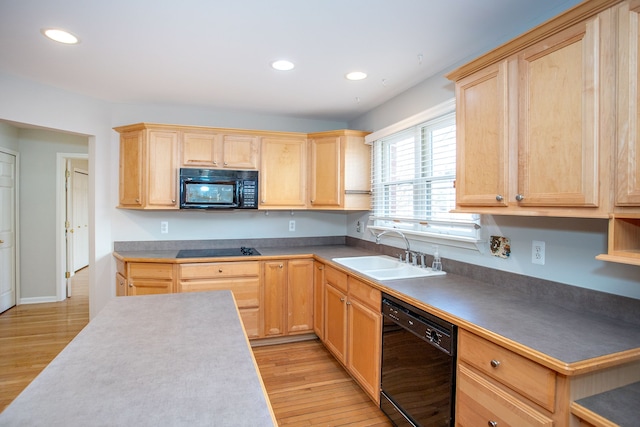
[
  {"x": 615, "y": 405},
  {"x": 178, "y": 359}
]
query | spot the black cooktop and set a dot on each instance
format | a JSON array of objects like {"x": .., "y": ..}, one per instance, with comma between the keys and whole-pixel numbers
[{"x": 219, "y": 252}]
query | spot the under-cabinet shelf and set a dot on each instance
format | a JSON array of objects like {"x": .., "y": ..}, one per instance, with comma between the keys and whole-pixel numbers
[{"x": 624, "y": 239}]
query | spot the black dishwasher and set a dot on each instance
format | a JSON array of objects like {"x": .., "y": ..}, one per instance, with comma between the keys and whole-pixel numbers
[{"x": 418, "y": 366}]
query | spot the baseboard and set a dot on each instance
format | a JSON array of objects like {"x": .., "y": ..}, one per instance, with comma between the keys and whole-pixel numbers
[
  {"x": 37, "y": 300},
  {"x": 258, "y": 342}
]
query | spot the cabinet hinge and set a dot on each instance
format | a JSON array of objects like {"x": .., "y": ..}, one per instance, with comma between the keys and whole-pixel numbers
[{"x": 67, "y": 275}]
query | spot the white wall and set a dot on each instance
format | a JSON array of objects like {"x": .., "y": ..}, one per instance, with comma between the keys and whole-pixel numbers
[{"x": 38, "y": 163}]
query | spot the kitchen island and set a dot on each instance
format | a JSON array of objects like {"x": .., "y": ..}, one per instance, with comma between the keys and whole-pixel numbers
[{"x": 177, "y": 359}]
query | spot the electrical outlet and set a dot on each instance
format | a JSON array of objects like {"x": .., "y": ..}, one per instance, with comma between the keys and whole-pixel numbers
[
  {"x": 358, "y": 227},
  {"x": 292, "y": 225},
  {"x": 164, "y": 227},
  {"x": 537, "y": 252}
]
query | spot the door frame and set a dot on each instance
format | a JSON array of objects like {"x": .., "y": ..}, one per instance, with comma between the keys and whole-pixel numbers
[
  {"x": 61, "y": 252},
  {"x": 16, "y": 242}
]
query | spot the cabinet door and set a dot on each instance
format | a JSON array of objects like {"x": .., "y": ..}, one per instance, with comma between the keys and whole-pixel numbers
[
  {"x": 240, "y": 151},
  {"x": 121, "y": 285},
  {"x": 145, "y": 278},
  {"x": 628, "y": 146},
  {"x": 283, "y": 173},
  {"x": 318, "y": 299},
  {"x": 275, "y": 297},
  {"x": 335, "y": 322},
  {"x": 482, "y": 120},
  {"x": 200, "y": 149},
  {"x": 131, "y": 169},
  {"x": 300, "y": 296},
  {"x": 326, "y": 174},
  {"x": 162, "y": 171},
  {"x": 364, "y": 348},
  {"x": 558, "y": 119}
]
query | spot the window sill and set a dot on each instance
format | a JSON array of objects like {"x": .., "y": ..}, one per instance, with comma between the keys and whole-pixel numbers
[{"x": 438, "y": 239}]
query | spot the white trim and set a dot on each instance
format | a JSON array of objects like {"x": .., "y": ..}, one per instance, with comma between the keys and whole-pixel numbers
[
  {"x": 433, "y": 112},
  {"x": 38, "y": 300},
  {"x": 61, "y": 253},
  {"x": 439, "y": 239},
  {"x": 16, "y": 242}
]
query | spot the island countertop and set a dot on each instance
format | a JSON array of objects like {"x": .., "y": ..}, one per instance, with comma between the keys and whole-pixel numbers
[{"x": 174, "y": 359}]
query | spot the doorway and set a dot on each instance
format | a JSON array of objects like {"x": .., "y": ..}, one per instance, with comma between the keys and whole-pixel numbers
[
  {"x": 73, "y": 219},
  {"x": 8, "y": 230}
]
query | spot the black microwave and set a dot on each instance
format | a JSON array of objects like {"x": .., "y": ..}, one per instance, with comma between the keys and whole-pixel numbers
[{"x": 218, "y": 189}]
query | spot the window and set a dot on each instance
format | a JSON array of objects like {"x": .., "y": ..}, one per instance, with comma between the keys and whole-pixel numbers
[{"x": 413, "y": 182}]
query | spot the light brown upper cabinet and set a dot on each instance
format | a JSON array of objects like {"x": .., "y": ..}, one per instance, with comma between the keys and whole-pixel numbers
[
  {"x": 148, "y": 168},
  {"x": 339, "y": 170},
  {"x": 210, "y": 149},
  {"x": 283, "y": 172},
  {"x": 533, "y": 121}
]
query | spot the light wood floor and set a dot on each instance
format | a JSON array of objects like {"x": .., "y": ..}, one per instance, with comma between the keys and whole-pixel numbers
[
  {"x": 31, "y": 335},
  {"x": 306, "y": 385}
]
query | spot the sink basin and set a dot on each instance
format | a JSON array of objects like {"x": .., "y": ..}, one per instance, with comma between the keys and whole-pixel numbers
[{"x": 382, "y": 267}]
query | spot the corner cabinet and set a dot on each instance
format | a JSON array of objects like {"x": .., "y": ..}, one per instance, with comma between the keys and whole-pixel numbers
[
  {"x": 534, "y": 132},
  {"x": 339, "y": 170},
  {"x": 148, "y": 168},
  {"x": 353, "y": 327}
]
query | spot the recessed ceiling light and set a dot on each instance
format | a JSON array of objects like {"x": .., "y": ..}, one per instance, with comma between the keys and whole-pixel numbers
[
  {"x": 60, "y": 36},
  {"x": 356, "y": 75},
  {"x": 283, "y": 65}
]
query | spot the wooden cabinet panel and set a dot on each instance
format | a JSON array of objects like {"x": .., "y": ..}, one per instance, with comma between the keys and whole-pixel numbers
[
  {"x": 150, "y": 270},
  {"x": 246, "y": 290},
  {"x": 131, "y": 171},
  {"x": 528, "y": 378},
  {"x": 275, "y": 297},
  {"x": 335, "y": 322},
  {"x": 145, "y": 278},
  {"x": 251, "y": 321},
  {"x": 240, "y": 151},
  {"x": 558, "y": 126},
  {"x": 364, "y": 348},
  {"x": 318, "y": 299},
  {"x": 283, "y": 173},
  {"x": 300, "y": 296},
  {"x": 219, "y": 270},
  {"x": 121, "y": 285},
  {"x": 162, "y": 178},
  {"x": 628, "y": 144},
  {"x": 483, "y": 161},
  {"x": 199, "y": 149},
  {"x": 327, "y": 172},
  {"x": 365, "y": 293},
  {"x": 479, "y": 403}
]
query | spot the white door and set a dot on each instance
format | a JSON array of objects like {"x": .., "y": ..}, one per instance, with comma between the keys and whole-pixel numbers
[
  {"x": 7, "y": 231},
  {"x": 80, "y": 221}
]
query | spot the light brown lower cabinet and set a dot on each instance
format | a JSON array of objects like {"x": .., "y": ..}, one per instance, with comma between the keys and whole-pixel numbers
[
  {"x": 318, "y": 299},
  {"x": 148, "y": 278},
  {"x": 288, "y": 297},
  {"x": 353, "y": 327},
  {"x": 242, "y": 278}
]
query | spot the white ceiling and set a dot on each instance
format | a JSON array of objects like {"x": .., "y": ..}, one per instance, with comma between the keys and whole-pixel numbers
[{"x": 215, "y": 53}]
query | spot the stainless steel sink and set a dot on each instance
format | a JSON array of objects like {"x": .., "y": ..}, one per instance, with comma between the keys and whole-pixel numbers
[{"x": 383, "y": 267}]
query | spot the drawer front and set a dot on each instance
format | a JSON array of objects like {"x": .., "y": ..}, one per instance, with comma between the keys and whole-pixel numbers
[
  {"x": 336, "y": 278},
  {"x": 365, "y": 293},
  {"x": 246, "y": 291},
  {"x": 150, "y": 270},
  {"x": 219, "y": 269},
  {"x": 480, "y": 403},
  {"x": 528, "y": 378}
]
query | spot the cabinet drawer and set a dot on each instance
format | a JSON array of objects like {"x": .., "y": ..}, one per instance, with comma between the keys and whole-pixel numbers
[
  {"x": 246, "y": 291},
  {"x": 219, "y": 269},
  {"x": 336, "y": 278},
  {"x": 365, "y": 294},
  {"x": 528, "y": 378},
  {"x": 150, "y": 270},
  {"x": 479, "y": 402}
]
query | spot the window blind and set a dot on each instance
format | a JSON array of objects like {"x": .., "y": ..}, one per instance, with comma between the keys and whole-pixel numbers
[{"x": 413, "y": 175}]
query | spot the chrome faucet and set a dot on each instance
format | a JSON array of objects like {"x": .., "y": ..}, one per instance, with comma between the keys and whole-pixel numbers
[{"x": 406, "y": 241}]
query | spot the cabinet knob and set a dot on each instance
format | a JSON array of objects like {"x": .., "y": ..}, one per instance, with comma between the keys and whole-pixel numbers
[
  {"x": 137, "y": 200},
  {"x": 219, "y": 270},
  {"x": 173, "y": 200},
  {"x": 342, "y": 299},
  {"x": 280, "y": 266},
  {"x": 519, "y": 197},
  {"x": 131, "y": 284},
  {"x": 226, "y": 164},
  {"x": 495, "y": 363},
  {"x": 348, "y": 302},
  {"x": 499, "y": 198},
  {"x": 312, "y": 200},
  {"x": 1, "y": 242},
  {"x": 493, "y": 424}
]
